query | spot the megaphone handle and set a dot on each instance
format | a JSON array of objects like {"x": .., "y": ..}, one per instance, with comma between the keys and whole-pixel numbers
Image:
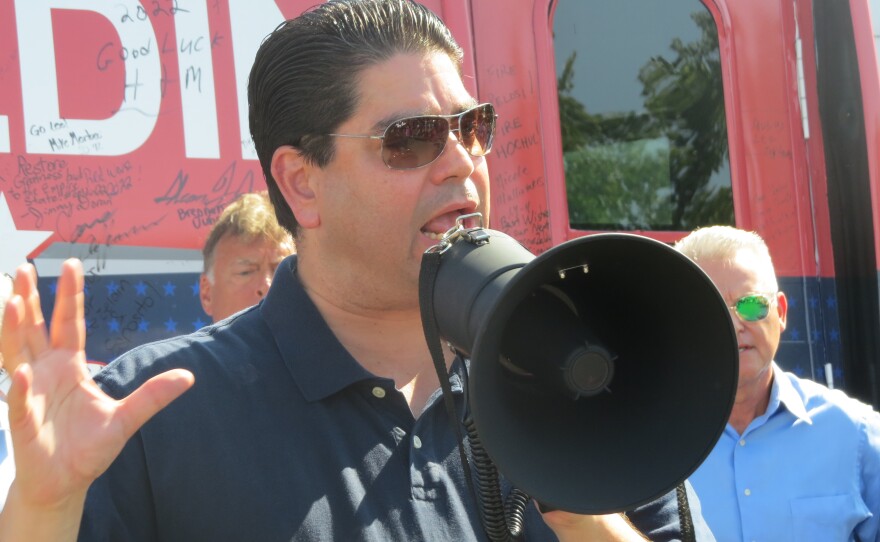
[{"x": 685, "y": 519}]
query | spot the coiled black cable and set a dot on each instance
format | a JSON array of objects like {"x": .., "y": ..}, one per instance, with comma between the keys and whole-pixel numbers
[
  {"x": 516, "y": 509},
  {"x": 502, "y": 521}
]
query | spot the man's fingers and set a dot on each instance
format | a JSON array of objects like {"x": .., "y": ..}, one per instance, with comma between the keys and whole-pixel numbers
[
  {"x": 22, "y": 419},
  {"x": 68, "y": 329},
  {"x": 33, "y": 326},
  {"x": 12, "y": 345},
  {"x": 154, "y": 395}
]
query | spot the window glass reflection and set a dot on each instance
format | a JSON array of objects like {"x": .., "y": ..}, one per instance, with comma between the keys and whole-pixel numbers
[{"x": 641, "y": 107}]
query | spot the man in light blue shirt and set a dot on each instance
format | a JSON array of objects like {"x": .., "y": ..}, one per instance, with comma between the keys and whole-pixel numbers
[{"x": 797, "y": 461}]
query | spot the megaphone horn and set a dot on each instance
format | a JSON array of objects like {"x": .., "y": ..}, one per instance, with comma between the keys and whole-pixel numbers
[{"x": 602, "y": 371}]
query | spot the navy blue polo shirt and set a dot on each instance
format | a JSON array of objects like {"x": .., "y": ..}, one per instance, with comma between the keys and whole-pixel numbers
[{"x": 284, "y": 436}]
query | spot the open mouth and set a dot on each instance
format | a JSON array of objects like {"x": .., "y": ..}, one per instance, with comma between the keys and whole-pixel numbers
[
  {"x": 437, "y": 227},
  {"x": 436, "y": 236}
]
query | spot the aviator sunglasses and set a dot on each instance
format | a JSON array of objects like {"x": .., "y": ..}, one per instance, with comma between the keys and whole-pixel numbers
[
  {"x": 753, "y": 307},
  {"x": 414, "y": 142}
]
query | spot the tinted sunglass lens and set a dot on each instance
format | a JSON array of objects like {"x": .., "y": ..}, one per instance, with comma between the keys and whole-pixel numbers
[
  {"x": 477, "y": 129},
  {"x": 414, "y": 142},
  {"x": 417, "y": 141},
  {"x": 752, "y": 308}
]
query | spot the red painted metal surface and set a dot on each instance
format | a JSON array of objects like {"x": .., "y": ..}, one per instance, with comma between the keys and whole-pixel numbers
[
  {"x": 816, "y": 179},
  {"x": 504, "y": 41}
]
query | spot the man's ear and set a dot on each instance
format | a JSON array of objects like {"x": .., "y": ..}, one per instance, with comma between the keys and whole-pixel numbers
[
  {"x": 205, "y": 294},
  {"x": 782, "y": 308},
  {"x": 293, "y": 175}
]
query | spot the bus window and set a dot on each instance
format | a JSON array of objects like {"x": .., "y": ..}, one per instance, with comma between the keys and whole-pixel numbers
[{"x": 641, "y": 107}]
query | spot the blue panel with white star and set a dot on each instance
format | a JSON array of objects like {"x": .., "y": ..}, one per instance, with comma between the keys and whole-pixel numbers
[
  {"x": 812, "y": 335},
  {"x": 123, "y": 312}
]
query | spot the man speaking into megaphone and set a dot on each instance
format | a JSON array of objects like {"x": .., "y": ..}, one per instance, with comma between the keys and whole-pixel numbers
[{"x": 318, "y": 414}]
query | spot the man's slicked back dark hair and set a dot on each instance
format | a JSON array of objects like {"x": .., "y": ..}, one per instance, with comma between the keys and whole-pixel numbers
[{"x": 303, "y": 83}]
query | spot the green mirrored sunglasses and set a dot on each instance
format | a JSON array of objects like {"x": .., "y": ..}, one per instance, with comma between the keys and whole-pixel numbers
[{"x": 753, "y": 307}]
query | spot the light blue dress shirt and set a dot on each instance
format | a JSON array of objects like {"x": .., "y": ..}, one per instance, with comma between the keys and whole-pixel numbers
[{"x": 806, "y": 470}]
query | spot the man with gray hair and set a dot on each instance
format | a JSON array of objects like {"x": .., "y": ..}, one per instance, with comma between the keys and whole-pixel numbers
[{"x": 797, "y": 461}]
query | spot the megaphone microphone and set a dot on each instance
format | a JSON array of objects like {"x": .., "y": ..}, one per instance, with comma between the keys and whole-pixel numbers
[{"x": 602, "y": 372}]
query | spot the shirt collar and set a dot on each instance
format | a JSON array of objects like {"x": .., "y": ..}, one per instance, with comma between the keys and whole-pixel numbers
[
  {"x": 319, "y": 363},
  {"x": 783, "y": 393}
]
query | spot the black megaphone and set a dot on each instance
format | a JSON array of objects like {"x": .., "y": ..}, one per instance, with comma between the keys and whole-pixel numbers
[{"x": 602, "y": 371}]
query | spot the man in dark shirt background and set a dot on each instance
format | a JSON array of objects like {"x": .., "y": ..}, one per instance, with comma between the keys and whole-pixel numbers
[{"x": 317, "y": 414}]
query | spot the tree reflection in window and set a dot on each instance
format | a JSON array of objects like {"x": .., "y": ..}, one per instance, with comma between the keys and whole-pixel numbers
[{"x": 661, "y": 163}]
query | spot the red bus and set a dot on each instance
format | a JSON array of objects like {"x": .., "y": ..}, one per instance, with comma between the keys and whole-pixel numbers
[{"x": 123, "y": 134}]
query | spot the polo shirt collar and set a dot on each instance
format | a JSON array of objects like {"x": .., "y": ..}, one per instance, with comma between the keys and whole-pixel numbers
[
  {"x": 318, "y": 362},
  {"x": 783, "y": 394}
]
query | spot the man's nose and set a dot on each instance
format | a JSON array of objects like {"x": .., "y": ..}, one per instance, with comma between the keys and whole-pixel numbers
[
  {"x": 454, "y": 161},
  {"x": 265, "y": 280},
  {"x": 737, "y": 323}
]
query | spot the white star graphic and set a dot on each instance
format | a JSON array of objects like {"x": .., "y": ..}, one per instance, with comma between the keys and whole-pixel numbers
[{"x": 15, "y": 245}]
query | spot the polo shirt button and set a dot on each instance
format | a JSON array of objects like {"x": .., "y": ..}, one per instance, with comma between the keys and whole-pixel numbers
[
  {"x": 742, "y": 442},
  {"x": 417, "y": 442},
  {"x": 379, "y": 392},
  {"x": 748, "y": 492}
]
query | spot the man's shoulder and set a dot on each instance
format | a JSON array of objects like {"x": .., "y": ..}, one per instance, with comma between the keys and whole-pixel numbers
[
  {"x": 209, "y": 347},
  {"x": 819, "y": 399}
]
